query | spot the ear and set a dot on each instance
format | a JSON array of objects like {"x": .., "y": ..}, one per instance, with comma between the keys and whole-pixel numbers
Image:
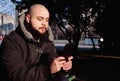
[{"x": 27, "y": 18}]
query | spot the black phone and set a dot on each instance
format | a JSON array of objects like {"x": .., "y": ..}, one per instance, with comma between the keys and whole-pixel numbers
[{"x": 68, "y": 50}]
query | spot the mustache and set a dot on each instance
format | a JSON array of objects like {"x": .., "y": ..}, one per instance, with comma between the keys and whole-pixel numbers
[{"x": 42, "y": 28}]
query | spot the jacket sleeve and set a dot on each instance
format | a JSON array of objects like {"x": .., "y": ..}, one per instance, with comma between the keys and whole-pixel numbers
[{"x": 16, "y": 69}]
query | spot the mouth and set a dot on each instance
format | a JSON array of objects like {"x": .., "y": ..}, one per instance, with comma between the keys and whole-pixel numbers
[{"x": 42, "y": 28}]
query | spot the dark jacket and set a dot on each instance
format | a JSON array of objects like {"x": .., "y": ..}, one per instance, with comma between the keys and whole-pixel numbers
[{"x": 25, "y": 58}]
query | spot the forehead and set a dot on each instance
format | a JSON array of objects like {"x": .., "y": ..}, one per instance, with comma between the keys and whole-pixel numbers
[{"x": 39, "y": 10}]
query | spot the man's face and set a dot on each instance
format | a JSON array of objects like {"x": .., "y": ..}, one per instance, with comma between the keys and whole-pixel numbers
[{"x": 39, "y": 19}]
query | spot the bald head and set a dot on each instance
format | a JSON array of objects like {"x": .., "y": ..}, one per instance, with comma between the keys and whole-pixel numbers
[
  {"x": 38, "y": 18},
  {"x": 36, "y": 8}
]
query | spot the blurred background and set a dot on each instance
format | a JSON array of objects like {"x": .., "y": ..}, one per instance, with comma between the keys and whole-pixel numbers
[{"x": 89, "y": 27}]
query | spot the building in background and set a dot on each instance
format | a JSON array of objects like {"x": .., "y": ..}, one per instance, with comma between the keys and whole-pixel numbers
[
  {"x": 6, "y": 24},
  {"x": 7, "y": 18}
]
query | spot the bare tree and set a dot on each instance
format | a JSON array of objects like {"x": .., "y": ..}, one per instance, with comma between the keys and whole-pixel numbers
[{"x": 75, "y": 19}]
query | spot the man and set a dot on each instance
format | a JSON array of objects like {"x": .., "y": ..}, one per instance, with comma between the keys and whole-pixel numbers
[{"x": 28, "y": 53}]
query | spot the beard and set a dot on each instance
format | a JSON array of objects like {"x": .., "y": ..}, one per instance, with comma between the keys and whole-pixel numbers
[{"x": 37, "y": 35}]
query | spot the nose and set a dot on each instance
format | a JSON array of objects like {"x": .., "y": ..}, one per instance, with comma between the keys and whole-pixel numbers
[{"x": 44, "y": 23}]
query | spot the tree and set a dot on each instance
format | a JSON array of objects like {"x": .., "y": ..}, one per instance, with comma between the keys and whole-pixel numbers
[
  {"x": 75, "y": 18},
  {"x": 72, "y": 17}
]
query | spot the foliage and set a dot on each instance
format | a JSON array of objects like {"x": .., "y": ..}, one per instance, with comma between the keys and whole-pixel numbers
[{"x": 73, "y": 18}]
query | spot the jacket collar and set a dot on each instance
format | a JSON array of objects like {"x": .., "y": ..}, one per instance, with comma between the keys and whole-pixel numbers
[{"x": 28, "y": 34}]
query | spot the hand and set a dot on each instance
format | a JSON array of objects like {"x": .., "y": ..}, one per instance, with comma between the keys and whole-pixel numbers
[
  {"x": 57, "y": 64},
  {"x": 68, "y": 64}
]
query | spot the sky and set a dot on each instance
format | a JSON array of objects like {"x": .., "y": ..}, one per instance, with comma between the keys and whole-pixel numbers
[{"x": 7, "y": 7}]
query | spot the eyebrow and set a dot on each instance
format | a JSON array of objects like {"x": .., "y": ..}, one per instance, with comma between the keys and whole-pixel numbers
[{"x": 42, "y": 17}]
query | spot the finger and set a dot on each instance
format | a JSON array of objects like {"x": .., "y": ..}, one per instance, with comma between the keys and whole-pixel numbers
[
  {"x": 70, "y": 58},
  {"x": 59, "y": 61},
  {"x": 60, "y": 58}
]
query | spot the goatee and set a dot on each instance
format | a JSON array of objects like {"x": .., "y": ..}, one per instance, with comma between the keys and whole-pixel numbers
[{"x": 38, "y": 36}]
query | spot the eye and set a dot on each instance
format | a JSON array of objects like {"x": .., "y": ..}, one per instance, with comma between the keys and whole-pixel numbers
[
  {"x": 40, "y": 18},
  {"x": 47, "y": 19}
]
